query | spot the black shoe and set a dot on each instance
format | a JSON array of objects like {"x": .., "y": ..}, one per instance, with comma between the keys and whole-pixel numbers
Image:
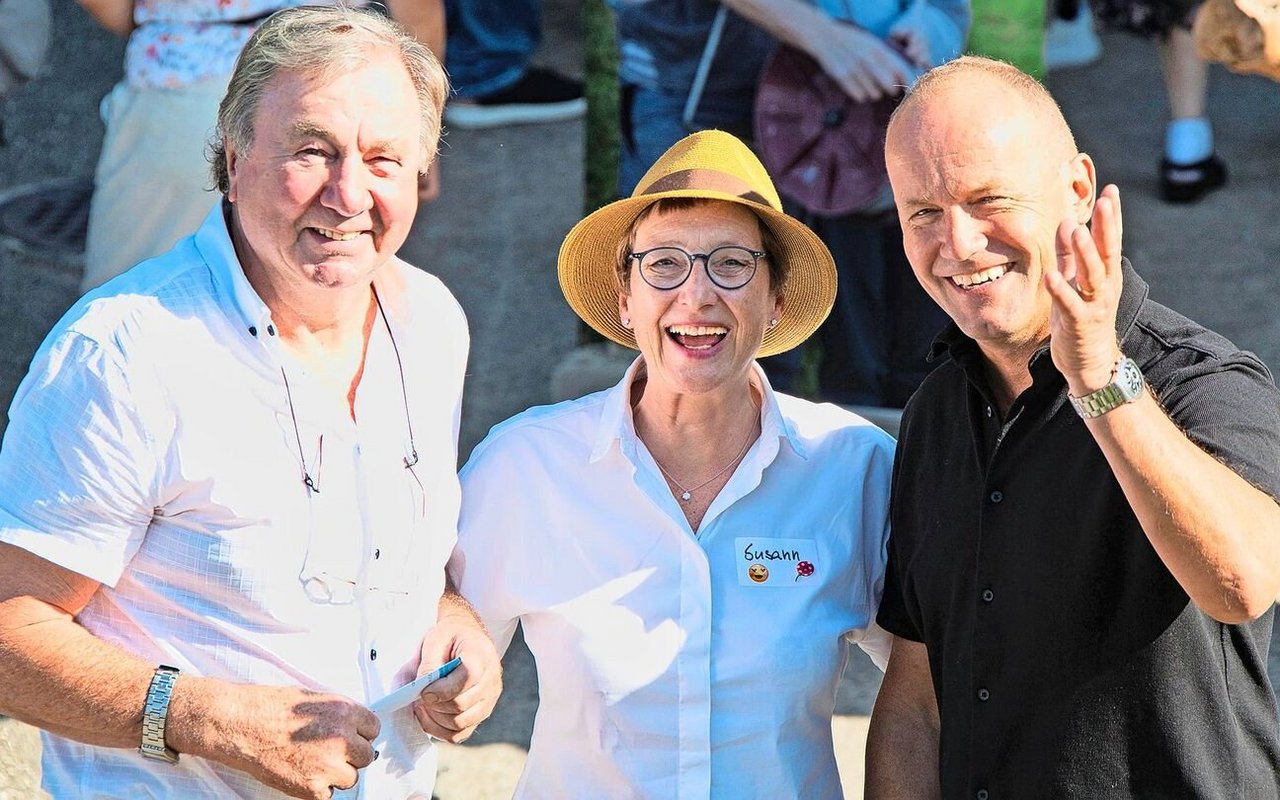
[
  {"x": 1187, "y": 183},
  {"x": 539, "y": 96}
]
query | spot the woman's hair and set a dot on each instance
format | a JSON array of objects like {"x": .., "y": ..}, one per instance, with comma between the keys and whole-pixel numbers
[
  {"x": 778, "y": 268},
  {"x": 324, "y": 42}
]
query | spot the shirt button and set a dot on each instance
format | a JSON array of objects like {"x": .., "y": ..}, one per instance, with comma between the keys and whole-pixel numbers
[
  {"x": 983, "y": 794},
  {"x": 997, "y": 496},
  {"x": 988, "y": 595},
  {"x": 373, "y": 656},
  {"x": 989, "y": 411},
  {"x": 984, "y": 695}
]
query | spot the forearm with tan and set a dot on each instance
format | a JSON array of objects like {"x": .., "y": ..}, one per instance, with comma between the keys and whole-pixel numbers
[
  {"x": 902, "y": 741},
  {"x": 794, "y": 22},
  {"x": 58, "y": 676},
  {"x": 1218, "y": 534}
]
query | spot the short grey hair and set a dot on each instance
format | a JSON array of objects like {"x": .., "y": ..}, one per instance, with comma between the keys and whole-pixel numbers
[{"x": 323, "y": 41}]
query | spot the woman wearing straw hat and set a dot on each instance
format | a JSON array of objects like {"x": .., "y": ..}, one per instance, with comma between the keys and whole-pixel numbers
[{"x": 689, "y": 552}]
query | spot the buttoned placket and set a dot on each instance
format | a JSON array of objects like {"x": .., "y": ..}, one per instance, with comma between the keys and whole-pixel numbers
[
  {"x": 345, "y": 435},
  {"x": 693, "y": 671},
  {"x": 989, "y": 435}
]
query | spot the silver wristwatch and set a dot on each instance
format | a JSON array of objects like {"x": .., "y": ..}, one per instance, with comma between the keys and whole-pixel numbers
[
  {"x": 154, "y": 713},
  {"x": 1125, "y": 387}
]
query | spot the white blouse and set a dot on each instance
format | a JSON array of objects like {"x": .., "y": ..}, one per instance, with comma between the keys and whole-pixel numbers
[{"x": 675, "y": 665}]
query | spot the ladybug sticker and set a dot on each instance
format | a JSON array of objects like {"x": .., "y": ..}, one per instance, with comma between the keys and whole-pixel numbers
[{"x": 803, "y": 569}]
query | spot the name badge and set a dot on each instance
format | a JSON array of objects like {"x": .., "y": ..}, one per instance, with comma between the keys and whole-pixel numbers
[{"x": 776, "y": 562}]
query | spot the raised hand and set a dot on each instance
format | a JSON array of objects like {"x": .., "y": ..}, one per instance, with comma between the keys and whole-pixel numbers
[
  {"x": 862, "y": 64},
  {"x": 1085, "y": 290}
]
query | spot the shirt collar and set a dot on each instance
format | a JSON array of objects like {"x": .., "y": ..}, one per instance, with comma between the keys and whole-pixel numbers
[
  {"x": 213, "y": 241},
  {"x": 617, "y": 425}
]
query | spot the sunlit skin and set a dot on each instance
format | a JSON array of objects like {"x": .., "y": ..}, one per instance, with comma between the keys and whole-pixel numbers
[
  {"x": 985, "y": 201},
  {"x": 744, "y": 313},
  {"x": 331, "y": 157}
]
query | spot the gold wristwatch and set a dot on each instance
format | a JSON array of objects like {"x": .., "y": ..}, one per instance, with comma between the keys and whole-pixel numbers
[
  {"x": 1125, "y": 387},
  {"x": 154, "y": 713}
]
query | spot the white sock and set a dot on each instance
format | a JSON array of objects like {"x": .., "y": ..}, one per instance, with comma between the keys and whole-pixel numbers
[{"x": 1188, "y": 140}]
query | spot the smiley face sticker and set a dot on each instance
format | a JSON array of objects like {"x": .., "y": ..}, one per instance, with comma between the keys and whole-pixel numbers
[{"x": 758, "y": 573}]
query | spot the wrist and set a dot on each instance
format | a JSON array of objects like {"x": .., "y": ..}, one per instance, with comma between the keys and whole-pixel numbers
[
  {"x": 153, "y": 742},
  {"x": 1095, "y": 376},
  {"x": 194, "y": 710},
  {"x": 1124, "y": 386}
]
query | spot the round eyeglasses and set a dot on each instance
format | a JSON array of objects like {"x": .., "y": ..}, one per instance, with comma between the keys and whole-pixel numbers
[{"x": 729, "y": 267}]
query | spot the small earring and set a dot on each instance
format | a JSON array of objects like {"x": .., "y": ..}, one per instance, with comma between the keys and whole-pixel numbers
[
  {"x": 773, "y": 323},
  {"x": 626, "y": 322}
]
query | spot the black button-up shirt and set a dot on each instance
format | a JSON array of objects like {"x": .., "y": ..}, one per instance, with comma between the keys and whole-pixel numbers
[{"x": 1067, "y": 660}]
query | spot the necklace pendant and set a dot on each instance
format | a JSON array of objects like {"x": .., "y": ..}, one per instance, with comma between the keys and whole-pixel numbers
[{"x": 686, "y": 497}]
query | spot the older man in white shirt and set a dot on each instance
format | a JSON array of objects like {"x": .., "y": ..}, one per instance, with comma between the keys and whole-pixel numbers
[{"x": 227, "y": 488}]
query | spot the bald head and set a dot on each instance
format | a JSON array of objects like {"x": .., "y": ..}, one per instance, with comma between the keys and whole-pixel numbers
[{"x": 973, "y": 90}]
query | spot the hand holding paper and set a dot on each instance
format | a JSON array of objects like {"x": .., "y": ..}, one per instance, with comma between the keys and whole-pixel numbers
[{"x": 406, "y": 694}]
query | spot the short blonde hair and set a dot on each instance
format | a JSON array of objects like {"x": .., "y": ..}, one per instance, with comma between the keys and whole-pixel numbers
[{"x": 322, "y": 41}]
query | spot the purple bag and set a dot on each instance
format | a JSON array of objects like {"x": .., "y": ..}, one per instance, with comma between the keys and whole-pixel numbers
[{"x": 823, "y": 149}]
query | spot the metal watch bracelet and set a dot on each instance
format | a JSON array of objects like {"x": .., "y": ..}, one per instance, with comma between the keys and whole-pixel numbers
[
  {"x": 1125, "y": 386},
  {"x": 154, "y": 714}
]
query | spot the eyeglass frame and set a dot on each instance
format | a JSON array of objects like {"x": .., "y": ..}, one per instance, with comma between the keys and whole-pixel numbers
[{"x": 756, "y": 255}]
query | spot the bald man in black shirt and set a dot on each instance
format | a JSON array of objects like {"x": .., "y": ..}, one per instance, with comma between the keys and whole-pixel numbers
[{"x": 1086, "y": 544}]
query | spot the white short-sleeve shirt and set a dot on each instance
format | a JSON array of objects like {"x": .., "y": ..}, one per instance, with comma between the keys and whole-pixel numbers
[
  {"x": 675, "y": 665},
  {"x": 152, "y": 448}
]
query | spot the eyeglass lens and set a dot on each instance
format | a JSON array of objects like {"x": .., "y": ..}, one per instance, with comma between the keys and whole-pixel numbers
[{"x": 667, "y": 267}]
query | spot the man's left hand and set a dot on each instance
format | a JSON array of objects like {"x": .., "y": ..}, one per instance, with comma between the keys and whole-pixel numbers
[
  {"x": 452, "y": 707},
  {"x": 1085, "y": 289}
]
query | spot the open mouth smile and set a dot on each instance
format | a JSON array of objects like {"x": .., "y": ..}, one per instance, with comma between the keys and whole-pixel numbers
[
  {"x": 975, "y": 279},
  {"x": 697, "y": 337},
  {"x": 337, "y": 236}
]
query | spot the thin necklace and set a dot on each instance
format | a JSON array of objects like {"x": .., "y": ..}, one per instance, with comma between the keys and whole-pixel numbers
[{"x": 687, "y": 494}]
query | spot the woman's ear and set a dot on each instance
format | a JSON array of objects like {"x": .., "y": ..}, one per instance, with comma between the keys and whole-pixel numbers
[{"x": 624, "y": 312}]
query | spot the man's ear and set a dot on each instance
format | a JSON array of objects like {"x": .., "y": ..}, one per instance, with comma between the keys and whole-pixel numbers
[
  {"x": 1084, "y": 186},
  {"x": 230, "y": 154}
]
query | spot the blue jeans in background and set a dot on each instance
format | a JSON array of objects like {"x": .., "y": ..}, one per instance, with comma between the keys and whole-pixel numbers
[{"x": 490, "y": 43}]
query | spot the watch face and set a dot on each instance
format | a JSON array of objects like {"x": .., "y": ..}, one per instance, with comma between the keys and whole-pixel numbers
[{"x": 1130, "y": 379}]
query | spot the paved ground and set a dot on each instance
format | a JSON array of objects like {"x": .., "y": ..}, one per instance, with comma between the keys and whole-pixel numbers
[{"x": 510, "y": 195}]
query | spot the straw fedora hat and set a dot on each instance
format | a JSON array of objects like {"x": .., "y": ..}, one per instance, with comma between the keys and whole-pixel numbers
[{"x": 716, "y": 166}]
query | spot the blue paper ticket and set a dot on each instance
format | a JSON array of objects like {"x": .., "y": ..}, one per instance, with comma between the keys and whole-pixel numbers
[{"x": 406, "y": 694}]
